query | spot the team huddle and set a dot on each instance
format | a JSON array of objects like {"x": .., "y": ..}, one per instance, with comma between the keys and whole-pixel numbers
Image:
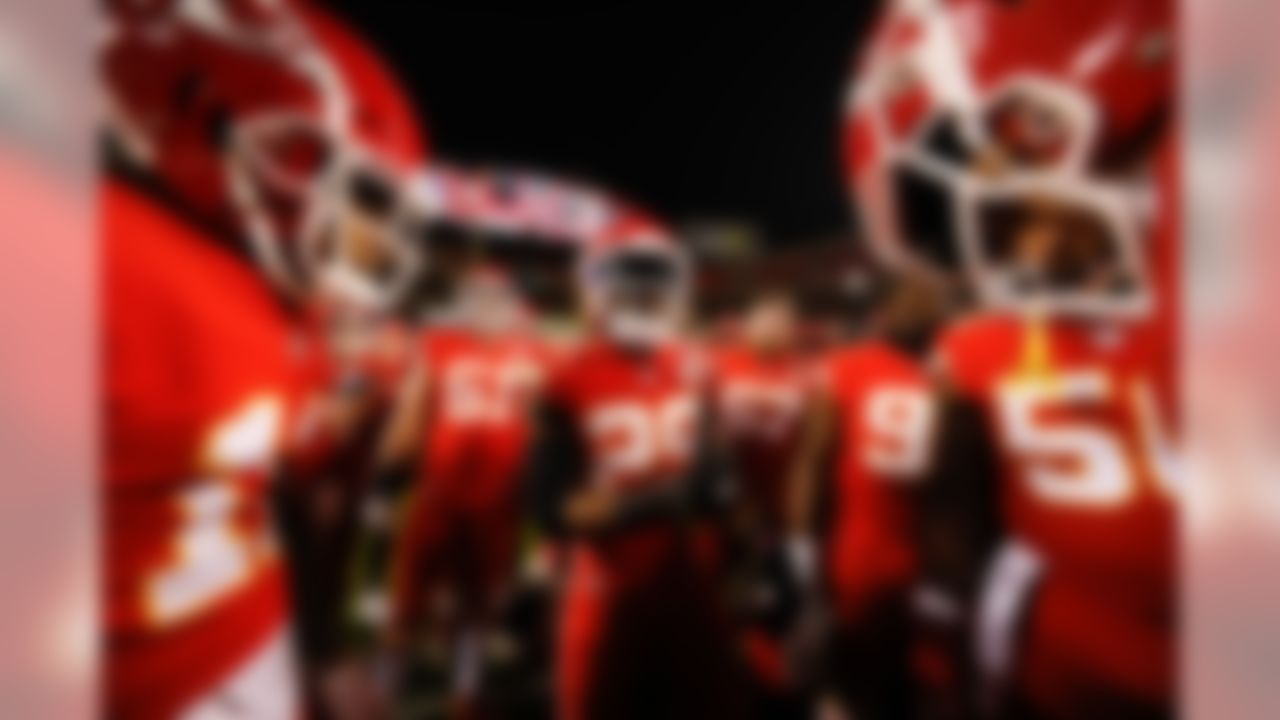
[{"x": 357, "y": 466}]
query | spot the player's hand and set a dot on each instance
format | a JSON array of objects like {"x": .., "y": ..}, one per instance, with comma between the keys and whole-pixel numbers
[
  {"x": 801, "y": 555},
  {"x": 591, "y": 509},
  {"x": 350, "y": 692}
]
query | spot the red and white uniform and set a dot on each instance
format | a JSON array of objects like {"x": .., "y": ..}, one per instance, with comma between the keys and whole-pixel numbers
[
  {"x": 319, "y": 447},
  {"x": 761, "y": 402},
  {"x": 885, "y": 422},
  {"x": 1079, "y": 416},
  {"x": 464, "y": 520},
  {"x": 638, "y": 418},
  {"x": 636, "y": 601},
  {"x": 199, "y": 377}
]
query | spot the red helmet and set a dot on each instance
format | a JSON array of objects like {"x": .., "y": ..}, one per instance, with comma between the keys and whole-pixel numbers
[
  {"x": 966, "y": 114},
  {"x": 636, "y": 282},
  {"x": 245, "y": 23},
  {"x": 271, "y": 126},
  {"x": 381, "y": 149}
]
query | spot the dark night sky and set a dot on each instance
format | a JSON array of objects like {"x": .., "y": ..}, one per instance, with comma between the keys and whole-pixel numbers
[{"x": 728, "y": 115}]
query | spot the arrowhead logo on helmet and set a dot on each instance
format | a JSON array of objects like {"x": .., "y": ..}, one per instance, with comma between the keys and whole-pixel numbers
[
  {"x": 281, "y": 130},
  {"x": 1008, "y": 142}
]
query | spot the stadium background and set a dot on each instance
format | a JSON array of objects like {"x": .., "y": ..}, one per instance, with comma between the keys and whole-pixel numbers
[{"x": 725, "y": 125}]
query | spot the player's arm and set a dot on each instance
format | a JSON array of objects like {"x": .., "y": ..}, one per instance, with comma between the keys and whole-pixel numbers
[
  {"x": 712, "y": 485},
  {"x": 402, "y": 436},
  {"x": 328, "y": 420},
  {"x": 384, "y": 502},
  {"x": 957, "y": 524},
  {"x": 554, "y": 472},
  {"x": 568, "y": 505},
  {"x": 805, "y": 481},
  {"x": 397, "y": 453},
  {"x": 959, "y": 504},
  {"x": 564, "y": 502}
]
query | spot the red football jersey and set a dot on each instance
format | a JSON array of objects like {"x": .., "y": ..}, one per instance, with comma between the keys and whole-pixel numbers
[
  {"x": 322, "y": 445},
  {"x": 199, "y": 379},
  {"x": 761, "y": 402},
  {"x": 1079, "y": 417},
  {"x": 462, "y": 530},
  {"x": 638, "y": 418},
  {"x": 885, "y": 422},
  {"x": 480, "y": 393}
]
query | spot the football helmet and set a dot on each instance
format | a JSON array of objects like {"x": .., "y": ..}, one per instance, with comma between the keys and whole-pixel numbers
[
  {"x": 280, "y": 129},
  {"x": 635, "y": 283},
  {"x": 1011, "y": 141},
  {"x": 359, "y": 244}
]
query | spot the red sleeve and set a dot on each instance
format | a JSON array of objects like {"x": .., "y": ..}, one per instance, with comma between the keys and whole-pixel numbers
[
  {"x": 561, "y": 389},
  {"x": 826, "y": 376},
  {"x": 955, "y": 362}
]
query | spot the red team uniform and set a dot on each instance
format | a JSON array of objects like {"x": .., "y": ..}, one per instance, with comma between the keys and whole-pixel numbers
[
  {"x": 885, "y": 426},
  {"x": 372, "y": 373},
  {"x": 329, "y": 468},
  {"x": 882, "y": 434},
  {"x": 195, "y": 594},
  {"x": 1019, "y": 146},
  {"x": 637, "y": 605},
  {"x": 986, "y": 106},
  {"x": 462, "y": 528},
  {"x": 203, "y": 354},
  {"x": 761, "y": 401},
  {"x": 1078, "y": 413}
]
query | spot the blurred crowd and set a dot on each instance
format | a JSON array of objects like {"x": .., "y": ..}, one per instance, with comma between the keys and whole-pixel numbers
[{"x": 389, "y": 436}]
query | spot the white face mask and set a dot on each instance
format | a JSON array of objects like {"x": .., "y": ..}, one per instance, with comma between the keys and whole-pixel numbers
[
  {"x": 639, "y": 329},
  {"x": 641, "y": 311},
  {"x": 342, "y": 283}
]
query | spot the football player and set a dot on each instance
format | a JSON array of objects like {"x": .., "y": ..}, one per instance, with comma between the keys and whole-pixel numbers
[
  {"x": 1025, "y": 146},
  {"x": 871, "y": 430},
  {"x": 622, "y": 474},
  {"x": 360, "y": 354},
  {"x": 763, "y": 387},
  {"x": 462, "y": 420},
  {"x": 235, "y": 151}
]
